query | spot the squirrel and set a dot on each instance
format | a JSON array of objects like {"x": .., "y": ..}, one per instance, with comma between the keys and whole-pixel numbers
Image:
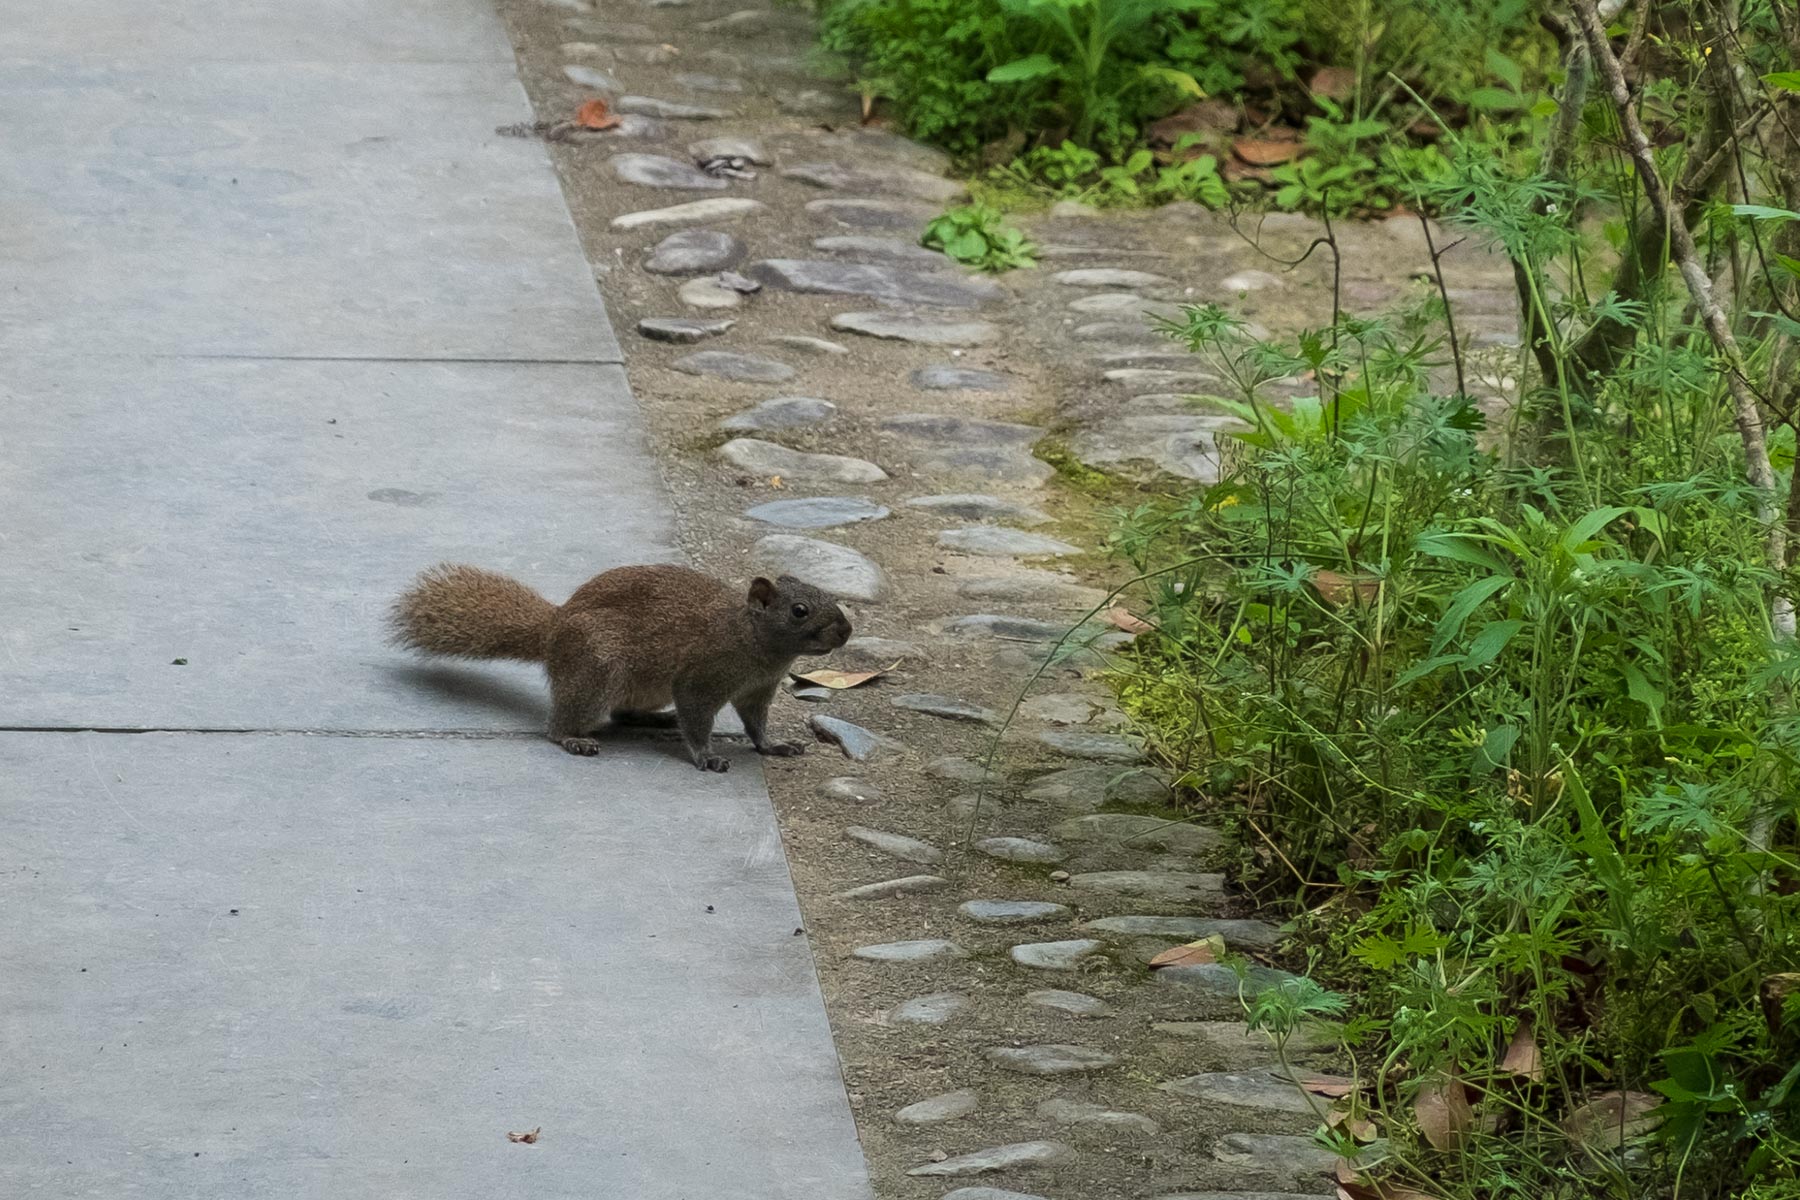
[{"x": 629, "y": 642}]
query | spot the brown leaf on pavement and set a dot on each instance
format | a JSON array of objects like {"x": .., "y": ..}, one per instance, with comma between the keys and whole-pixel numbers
[
  {"x": 1264, "y": 152},
  {"x": 838, "y": 680},
  {"x": 595, "y": 115},
  {"x": 1123, "y": 618},
  {"x": 1443, "y": 1112},
  {"x": 529, "y": 1139},
  {"x": 1193, "y": 954}
]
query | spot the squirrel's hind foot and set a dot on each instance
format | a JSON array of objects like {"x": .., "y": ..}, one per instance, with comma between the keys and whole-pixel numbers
[
  {"x": 585, "y": 746},
  {"x": 781, "y": 749},
  {"x": 712, "y": 762}
]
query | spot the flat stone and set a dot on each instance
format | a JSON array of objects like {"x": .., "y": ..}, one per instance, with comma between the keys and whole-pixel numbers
[
  {"x": 1105, "y": 747},
  {"x": 1236, "y": 1044},
  {"x": 782, "y": 412},
  {"x": 696, "y": 81},
  {"x": 1269, "y": 1091},
  {"x": 895, "y": 845},
  {"x": 998, "y": 540},
  {"x": 881, "y": 249},
  {"x": 887, "y": 889},
  {"x": 810, "y": 345},
  {"x": 941, "y": 377},
  {"x": 1011, "y": 912},
  {"x": 1156, "y": 377},
  {"x": 1247, "y": 933},
  {"x": 951, "y": 767},
  {"x": 973, "y": 506},
  {"x": 590, "y": 77},
  {"x": 1003, "y": 628},
  {"x": 681, "y": 330},
  {"x": 838, "y": 569},
  {"x": 1056, "y": 956},
  {"x": 816, "y": 695},
  {"x": 1077, "y": 1112},
  {"x": 694, "y": 212},
  {"x": 1117, "y": 304},
  {"x": 947, "y": 707},
  {"x": 892, "y": 181},
  {"x": 1075, "y": 1004},
  {"x": 817, "y": 512},
  {"x": 1286, "y": 1155},
  {"x": 747, "y": 149},
  {"x": 935, "y": 1110},
  {"x": 1021, "y": 850},
  {"x": 706, "y": 293},
  {"x": 877, "y": 652},
  {"x": 972, "y": 811},
  {"x": 988, "y": 1193},
  {"x": 1142, "y": 833},
  {"x": 998, "y": 1158},
  {"x": 1257, "y": 281},
  {"x": 694, "y": 252},
  {"x": 922, "y": 950},
  {"x": 874, "y": 214},
  {"x": 739, "y": 368},
  {"x": 936, "y": 1009},
  {"x": 606, "y": 27},
  {"x": 1111, "y": 277},
  {"x": 1050, "y": 1059},
  {"x": 742, "y": 23},
  {"x": 1115, "y": 332},
  {"x": 878, "y": 281},
  {"x": 1031, "y": 587},
  {"x": 767, "y": 458},
  {"x": 1217, "y": 979},
  {"x": 1091, "y": 786},
  {"x": 944, "y": 429},
  {"x": 850, "y": 788},
  {"x": 646, "y": 55},
  {"x": 1060, "y": 708},
  {"x": 815, "y": 102},
  {"x": 857, "y": 743},
  {"x": 653, "y": 170},
  {"x": 668, "y": 110},
  {"x": 1194, "y": 887},
  {"x": 1183, "y": 445},
  {"x": 923, "y": 331}
]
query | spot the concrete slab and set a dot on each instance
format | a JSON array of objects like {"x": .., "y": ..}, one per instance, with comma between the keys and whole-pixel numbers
[
  {"x": 255, "y": 518},
  {"x": 283, "y": 966},
  {"x": 301, "y": 209}
]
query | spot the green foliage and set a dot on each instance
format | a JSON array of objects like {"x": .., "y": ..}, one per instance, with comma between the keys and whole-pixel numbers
[{"x": 978, "y": 236}]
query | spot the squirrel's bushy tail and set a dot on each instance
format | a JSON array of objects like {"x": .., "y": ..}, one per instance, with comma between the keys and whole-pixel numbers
[{"x": 465, "y": 611}]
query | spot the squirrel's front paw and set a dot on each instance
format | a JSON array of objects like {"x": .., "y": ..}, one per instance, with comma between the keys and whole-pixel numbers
[
  {"x": 581, "y": 745},
  {"x": 712, "y": 762},
  {"x": 781, "y": 749}
]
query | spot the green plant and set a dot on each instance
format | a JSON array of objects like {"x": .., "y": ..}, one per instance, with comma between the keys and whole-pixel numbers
[{"x": 978, "y": 236}]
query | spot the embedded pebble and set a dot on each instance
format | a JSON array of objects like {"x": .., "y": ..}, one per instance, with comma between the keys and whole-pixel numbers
[
  {"x": 954, "y": 767},
  {"x": 946, "y": 1107},
  {"x": 1142, "y": 833},
  {"x": 706, "y": 293},
  {"x": 1021, "y": 850},
  {"x": 1105, "y": 747},
  {"x": 935, "y": 1009},
  {"x": 997, "y": 540},
  {"x": 1123, "y": 303},
  {"x": 1076, "y": 1004},
  {"x": 1191, "y": 886},
  {"x": 927, "y": 331},
  {"x": 812, "y": 102},
  {"x": 851, "y": 788},
  {"x": 882, "y": 249},
  {"x": 809, "y": 345},
  {"x": 1060, "y": 708},
  {"x": 782, "y": 412},
  {"x": 1266, "y": 1090},
  {"x": 857, "y": 743},
  {"x": 1256, "y": 281},
  {"x": 942, "y": 378},
  {"x": 1288, "y": 1155},
  {"x": 668, "y": 110},
  {"x": 1077, "y": 1112},
  {"x": 695, "y": 81},
  {"x": 590, "y": 77},
  {"x": 947, "y": 707},
  {"x": 887, "y": 889},
  {"x": 1031, "y": 587},
  {"x": 739, "y": 368},
  {"x": 1111, "y": 277},
  {"x": 694, "y": 252},
  {"x": 895, "y": 181},
  {"x": 998, "y": 1158},
  {"x": 1217, "y": 979},
  {"x": 1139, "y": 377},
  {"x": 650, "y": 56},
  {"x": 877, "y": 281},
  {"x": 964, "y": 445},
  {"x": 681, "y": 330},
  {"x": 1183, "y": 445},
  {"x": 973, "y": 506},
  {"x": 877, "y": 652},
  {"x": 1011, "y": 912},
  {"x": 1237, "y": 1045},
  {"x": 817, "y": 695},
  {"x": 693, "y": 212},
  {"x": 874, "y": 214},
  {"x": 895, "y": 845},
  {"x": 1092, "y": 786},
  {"x": 1246, "y": 932},
  {"x": 817, "y": 512},
  {"x": 973, "y": 808},
  {"x": 653, "y": 170},
  {"x": 1050, "y": 1059},
  {"x": 922, "y": 950},
  {"x": 1056, "y": 956},
  {"x": 838, "y": 569},
  {"x": 1004, "y": 628},
  {"x": 767, "y": 458},
  {"x": 730, "y": 147}
]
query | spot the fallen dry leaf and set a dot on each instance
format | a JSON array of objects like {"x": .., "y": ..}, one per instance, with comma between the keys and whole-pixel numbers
[
  {"x": 825, "y": 677},
  {"x": 1443, "y": 1112},
  {"x": 1262, "y": 152},
  {"x": 529, "y": 1139},
  {"x": 1351, "y": 1187},
  {"x": 1333, "y": 83},
  {"x": 775, "y": 482},
  {"x": 1523, "y": 1058},
  {"x": 1361, "y": 1128},
  {"x": 1123, "y": 618},
  {"x": 1613, "y": 1118},
  {"x": 1193, "y": 954},
  {"x": 595, "y": 115},
  {"x": 1332, "y": 1087},
  {"x": 1335, "y": 588}
]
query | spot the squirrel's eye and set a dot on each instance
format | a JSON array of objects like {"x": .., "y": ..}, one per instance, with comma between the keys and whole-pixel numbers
[{"x": 800, "y": 612}]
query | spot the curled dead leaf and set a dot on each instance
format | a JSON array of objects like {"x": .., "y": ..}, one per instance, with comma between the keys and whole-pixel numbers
[
  {"x": 1337, "y": 589},
  {"x": 1523, "y": 1057},
  {"x": 530, "y": 1138},
  {"x": 1443, "y": 1112},
  {"x": 1332, "y": 1087},
  {"x": 1265, "y": 152},
  {"x": 1611, "y": 1119},
  {"x": 1121, "y": 617},
  {"x": 1193, "y": 954},
  {"x": 594, "y": 114},
  {"x": 1362, "y": 1128},
  {"x": 825, "y": 677},
  {"x": 1333, "y": 83}
]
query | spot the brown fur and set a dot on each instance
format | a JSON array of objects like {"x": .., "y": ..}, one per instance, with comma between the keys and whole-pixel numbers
[{"x": 631, "y": 641}]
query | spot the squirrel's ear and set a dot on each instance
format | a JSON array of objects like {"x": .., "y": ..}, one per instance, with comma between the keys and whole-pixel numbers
[{"x": 762, "y": 592}]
